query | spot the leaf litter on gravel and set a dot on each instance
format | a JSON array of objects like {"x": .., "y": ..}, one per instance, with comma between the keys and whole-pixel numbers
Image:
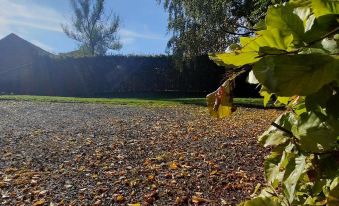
[{"x": 79, "y": 154}]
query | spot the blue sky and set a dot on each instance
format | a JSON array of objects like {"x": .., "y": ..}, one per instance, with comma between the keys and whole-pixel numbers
[{"x": 143, "y": 24}]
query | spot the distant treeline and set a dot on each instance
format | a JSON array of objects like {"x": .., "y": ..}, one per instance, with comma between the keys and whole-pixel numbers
[{"x": 117, "y": 76}]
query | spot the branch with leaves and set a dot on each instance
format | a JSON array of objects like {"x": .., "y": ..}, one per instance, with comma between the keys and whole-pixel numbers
[{"x": 294, "y": 56}]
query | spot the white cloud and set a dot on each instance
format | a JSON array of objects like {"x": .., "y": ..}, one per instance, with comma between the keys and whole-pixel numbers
[
  {"x": 135, "y": 35},
  {"x": 42, "y": 45},
  {"x": 35, "y": 25},
  {"x": 16, "y": 13},
  {"x": 127, "y": 40},
  {"x": 4, "y": 30}
]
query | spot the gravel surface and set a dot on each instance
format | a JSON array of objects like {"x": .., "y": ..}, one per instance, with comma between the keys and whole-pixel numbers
[{"x": 93, "y": 154}]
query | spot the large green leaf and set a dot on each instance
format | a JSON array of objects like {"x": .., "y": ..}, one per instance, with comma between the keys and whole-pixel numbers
[
  {"x": 317, "y": 102},
  {"x": 283, "y": 100},
  {"x": 264, "y": 93},
  {"x": 325, "y": 7},
  {"x": 331, "y": 45},
  {"x": 300, "y": 108},
  {"x": 263, "y": 201},
  {"x": 329, "y": 166},
  {"x": 296, "y": 74},
  {"x": 324, "y": 103},
  {"x": 264, "y": 51},
  {"x": 272, "y": 169},
  {"x": 235, "y": 59},
  {"x": 274, "y": 38},
  {"x": 315, "y": 134},
  {"x": 297, "y": 168},
  {"x": 274, "y": 136},
  {"x": 320, "y": 27},
  {"x": 333, "y": 197},
  {"x": 332, "y": 106},
  {"x": 249, "y": 53},
  {"x": 275, "y": 165},
  {"x": 306, "y": 16},
  {"x": 260, "y": 25},
  {"x": 283, "y": 18},
  {"x": 314, "y": 201}
]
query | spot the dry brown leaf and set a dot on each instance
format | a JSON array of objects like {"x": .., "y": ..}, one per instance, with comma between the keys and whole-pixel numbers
[
  {"x": 151, "y": 177},
  {"x": 134, "y": 204},
  {"x": 173, "y": 166},
  {"x": 98, "y": 202},
  {"x": 39, "y": 202},
  {"x": 2, "y": 184},
  {"x": 199, "y": 200},
  {"x": 181, "y": 200},
  {"x": 214, "y": 172},
  {"x": 120, "y": 198}
]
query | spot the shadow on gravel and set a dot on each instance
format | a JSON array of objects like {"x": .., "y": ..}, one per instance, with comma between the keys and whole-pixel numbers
[{"x": 199, "y": 102}]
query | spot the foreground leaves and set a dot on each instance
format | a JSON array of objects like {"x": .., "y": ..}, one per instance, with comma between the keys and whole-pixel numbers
[
  {"x": 325, "y": 7},
  {"x": 291, "y": 75},
  {"x": 262, "y": 201},
  {"x": 297, "y": 65}
]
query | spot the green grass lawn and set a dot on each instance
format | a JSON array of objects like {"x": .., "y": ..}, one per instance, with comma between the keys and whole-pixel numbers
[{"x": 254, "y": 102}]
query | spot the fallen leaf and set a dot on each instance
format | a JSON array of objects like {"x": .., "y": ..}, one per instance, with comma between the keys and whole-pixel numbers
[
  {"x": 173, "y": 166},
  {"x": 181, "y": 200},
  {"x": 2, "y": 184},
  {"x": 151, "y": 197},
  {"x": 43, "y": 192},
  {"x": 151, "y": 177},
  {"x": 214, "y": 172},
  {"x": 98, "y": 202},
  {"x": 68, "y": 186},
  {"x": 224, "y": 202},
  {"x": 34, "y": 182},
  {"x": 198, "y": 200},
  {"x": 134, "y": 204},
  {"x": 39, "y": 202},
  {"x": 120, "y": 198}
]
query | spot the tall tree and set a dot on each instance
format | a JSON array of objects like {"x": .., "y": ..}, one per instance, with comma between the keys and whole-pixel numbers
[
  {"x": 95, "y": 31},
  {"x": 200, "y": 27}
]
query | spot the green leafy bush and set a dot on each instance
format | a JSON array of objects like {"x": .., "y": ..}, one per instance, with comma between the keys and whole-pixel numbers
[{"x": 294, "y": 56}]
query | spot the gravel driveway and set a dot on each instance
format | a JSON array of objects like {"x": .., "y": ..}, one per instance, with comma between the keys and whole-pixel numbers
[{"x": 95, "y": 154}]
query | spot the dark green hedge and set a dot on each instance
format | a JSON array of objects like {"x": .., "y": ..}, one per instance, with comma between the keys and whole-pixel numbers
[{"x": 117, "y": 76}]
